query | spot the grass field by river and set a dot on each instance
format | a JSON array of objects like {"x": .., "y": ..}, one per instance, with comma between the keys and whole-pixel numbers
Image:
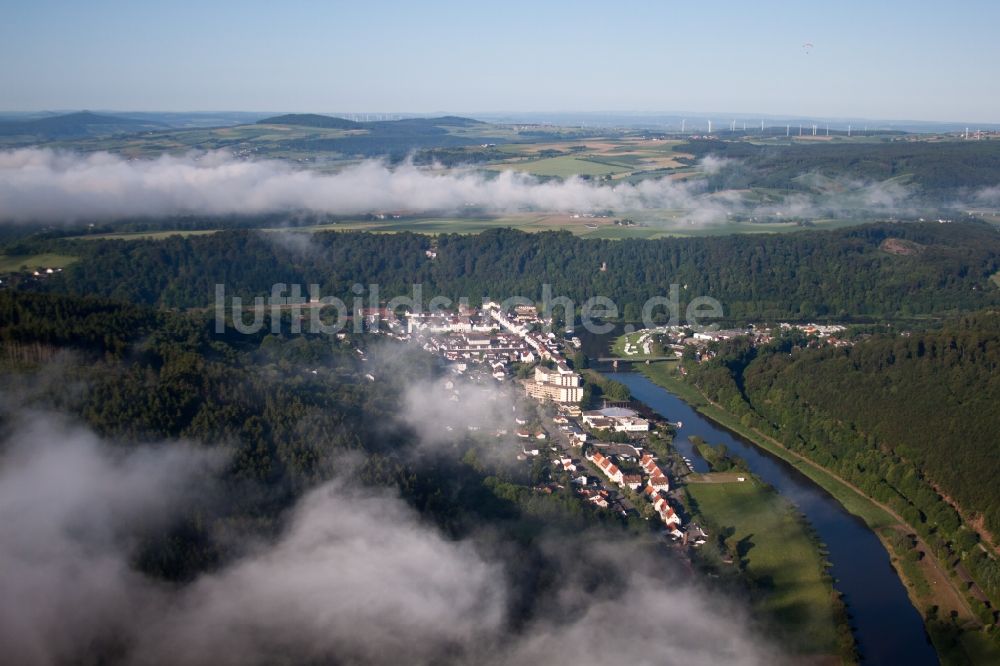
[{"x": 779, "y": 556}]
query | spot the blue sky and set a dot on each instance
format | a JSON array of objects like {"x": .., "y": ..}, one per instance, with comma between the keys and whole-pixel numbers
[{"x": 889, "y": 59}]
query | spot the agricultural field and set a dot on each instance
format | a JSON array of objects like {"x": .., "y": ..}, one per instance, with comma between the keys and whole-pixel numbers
[
  {"x": 257, "y": 139},
  {"x": 609, "y": 158},
  {"x": 589, "y": 227},
  {"x": 778, "y": 553},
  {"x": 651, "y": 225},
  {"x": 148, "y": 235},
  {"x": 566, "y": 166},
  {"x": 432, "y": 225},
  {"x": 306, "y": 145}
]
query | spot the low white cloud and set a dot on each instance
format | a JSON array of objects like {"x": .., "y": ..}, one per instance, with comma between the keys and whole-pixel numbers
[
  {"x": 69, "y": 508},
  {"x": 355, "y": 576},
  {"x": 40, "y": 185},
  {"x": 987, "y": 196},
  {"x": 48, "y": 186},
  {"x": 711, "y": 164},
  {"x": 439, "y": 411},
  {"x": 646, "y": 624}
]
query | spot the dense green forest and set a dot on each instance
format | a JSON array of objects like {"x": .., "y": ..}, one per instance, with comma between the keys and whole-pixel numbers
[
  {"x": 834, "y": 274},
  {"x": 911, "y": 419}
]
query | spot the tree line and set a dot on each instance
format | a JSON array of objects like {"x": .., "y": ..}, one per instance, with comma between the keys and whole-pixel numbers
[{"x": 814, "y": 274}]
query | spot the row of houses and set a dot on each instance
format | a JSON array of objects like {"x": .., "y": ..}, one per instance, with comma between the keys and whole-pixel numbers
[
  {"x": 497, "y": 338},
  {"x": 560, "y": 384},
  {"x": 664, "y": 510},
  {"x": 496, "y": 349},
  {"x": 657, "y": 485},
  {"x": 608, "y": 468},
  {"x": 657, "y": 479},
  {"x": 612, "y": 471},
  {"x": 466, "y": 322},
  {"x": 522, "y": 323}
]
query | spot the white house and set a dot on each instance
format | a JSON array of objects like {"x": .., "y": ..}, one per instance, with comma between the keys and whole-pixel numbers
[
  {"x": 666, "y": 512},
  {"x": 633, "y": 481},
  {"x": 659, "y": 482}
]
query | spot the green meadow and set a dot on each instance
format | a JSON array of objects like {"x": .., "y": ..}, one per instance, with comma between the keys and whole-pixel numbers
[
  {"x": 780, "y": 557},
  {"x": 12, "y": 263}
]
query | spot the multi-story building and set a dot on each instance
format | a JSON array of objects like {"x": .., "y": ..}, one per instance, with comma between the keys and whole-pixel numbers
[{"x": 558, "y": 385}]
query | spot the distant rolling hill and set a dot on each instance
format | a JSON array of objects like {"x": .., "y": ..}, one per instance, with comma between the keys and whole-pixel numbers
[
  {"x": 441, "y": 121},
  {"x": 298, "y": 136},
  {"x": 396, "y": 126},
  {"x": 76, "y": 125},
  {"x": 311, "y": 120},
  {"x": 394, "y": 138}
]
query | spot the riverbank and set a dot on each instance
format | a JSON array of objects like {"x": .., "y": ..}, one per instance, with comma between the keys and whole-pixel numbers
[{"x": 947, "y": 617}]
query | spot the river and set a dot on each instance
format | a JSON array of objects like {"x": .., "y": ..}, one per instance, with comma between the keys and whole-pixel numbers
[{"x": 887, "y": 627}]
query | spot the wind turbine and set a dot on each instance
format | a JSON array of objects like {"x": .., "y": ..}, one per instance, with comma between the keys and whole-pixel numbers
[{"x": 709, "y": 126}]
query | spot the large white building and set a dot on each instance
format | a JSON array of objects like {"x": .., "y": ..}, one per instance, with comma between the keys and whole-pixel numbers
[
  {"x": 558, "y": 385},
  {"x": 618, "y": 419}
]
